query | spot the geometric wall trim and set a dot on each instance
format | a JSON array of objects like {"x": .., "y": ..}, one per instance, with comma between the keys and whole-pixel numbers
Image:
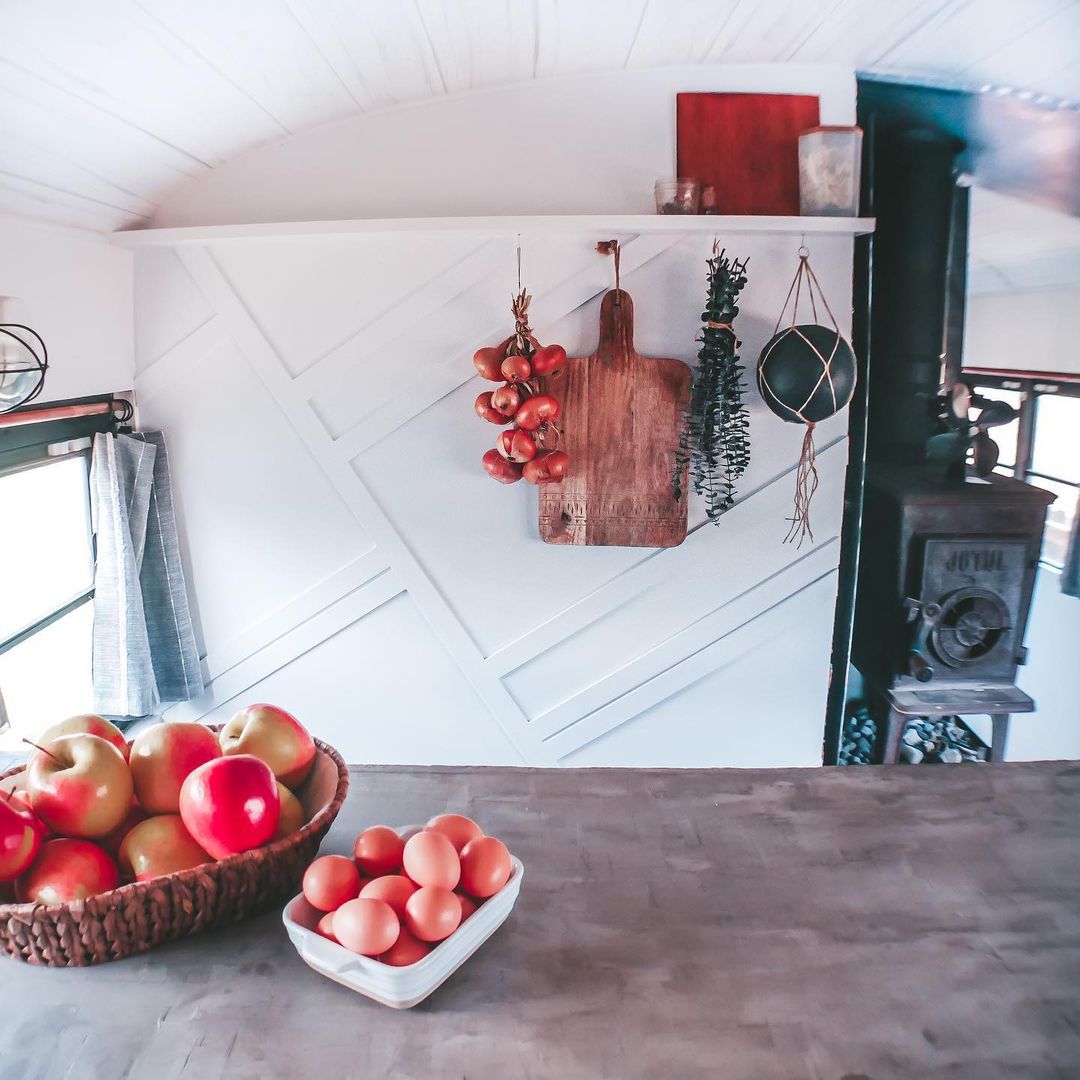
[{"x": 353, "y": 455}]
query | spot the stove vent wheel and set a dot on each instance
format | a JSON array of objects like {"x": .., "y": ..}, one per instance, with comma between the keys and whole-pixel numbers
[{"x": 968, "y": 625}]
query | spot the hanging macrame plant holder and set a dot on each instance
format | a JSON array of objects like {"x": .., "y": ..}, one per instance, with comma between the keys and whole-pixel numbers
[{"x": 806, "y": 373}]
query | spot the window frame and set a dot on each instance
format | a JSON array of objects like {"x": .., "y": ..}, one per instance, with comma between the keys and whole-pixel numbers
[
  {"x": 25, "y": 445},
  {"x": 1032, "y": 386}
]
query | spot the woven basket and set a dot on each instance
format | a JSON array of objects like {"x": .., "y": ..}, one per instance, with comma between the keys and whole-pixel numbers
[{"x": 136, "y": 917}]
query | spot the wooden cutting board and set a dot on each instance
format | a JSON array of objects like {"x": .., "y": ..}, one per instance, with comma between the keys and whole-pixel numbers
[{"x": 621, "y": 417}]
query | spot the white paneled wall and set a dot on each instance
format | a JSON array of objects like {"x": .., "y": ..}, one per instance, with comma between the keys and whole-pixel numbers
[
  {"x": 351, "y": 561},
  {"x": 589, "y": 144},
  {"x": 77, "y": 292}
]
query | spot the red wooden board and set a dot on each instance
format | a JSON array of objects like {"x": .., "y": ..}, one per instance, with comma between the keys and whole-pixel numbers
[
  {"x": 621, "y": 416},
  {"x": 746, "y": 146}
]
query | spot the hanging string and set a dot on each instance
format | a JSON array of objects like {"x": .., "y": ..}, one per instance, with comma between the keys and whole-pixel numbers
[
  {"x": 524, "y": 340},
  {"x": 787, "y": 299},
  {"x": 719, "y": 254},
  {"x": 806, "y": 475},
  {"x": 806, "y": 483}
]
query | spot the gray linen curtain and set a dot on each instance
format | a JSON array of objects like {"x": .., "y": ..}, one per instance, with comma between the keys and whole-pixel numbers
[{"x": 144, "y": 643}]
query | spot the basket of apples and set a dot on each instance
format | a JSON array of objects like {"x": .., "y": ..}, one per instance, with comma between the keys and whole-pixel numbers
[
  {"x": 396, "y": 920},
  {"x": 108, "y": 848}
]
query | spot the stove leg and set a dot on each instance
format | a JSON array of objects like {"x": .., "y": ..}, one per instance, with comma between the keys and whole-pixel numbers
[
  {"x": 1000, "y": 736},
  {"x": 895, "y": 722}
]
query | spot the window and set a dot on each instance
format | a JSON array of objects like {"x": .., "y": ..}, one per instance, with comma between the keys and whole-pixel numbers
[
  {"x": 1055, "y": 465},
  {"x": 1006, "y": 435},
  {"x": 1041, "y": 446},
  {"x": 47, "y": 561}
]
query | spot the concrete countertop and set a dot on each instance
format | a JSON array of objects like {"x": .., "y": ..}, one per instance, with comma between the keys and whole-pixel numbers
[{"x": 859, "y": 922}]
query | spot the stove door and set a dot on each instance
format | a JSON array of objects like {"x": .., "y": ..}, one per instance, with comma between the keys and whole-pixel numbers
[{"x": 977, "y": 586}]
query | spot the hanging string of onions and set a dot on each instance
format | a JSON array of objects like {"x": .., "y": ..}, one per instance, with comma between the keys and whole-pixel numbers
[{"x": 529, "y": 449}]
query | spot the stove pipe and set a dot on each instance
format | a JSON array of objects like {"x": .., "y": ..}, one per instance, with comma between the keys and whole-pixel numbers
[{"x": 914, "y": 182}]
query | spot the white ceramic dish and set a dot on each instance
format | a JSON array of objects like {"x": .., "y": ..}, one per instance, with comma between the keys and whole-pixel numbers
[{"x": 399, "y": 987}]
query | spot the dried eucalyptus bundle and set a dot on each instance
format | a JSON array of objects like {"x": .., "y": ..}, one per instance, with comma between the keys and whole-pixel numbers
[{"x": 715, "y": 438}]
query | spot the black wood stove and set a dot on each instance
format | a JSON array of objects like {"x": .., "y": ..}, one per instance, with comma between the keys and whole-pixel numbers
[
  {"x": 941, "y": 614},
  {"x": 947, "y": 562}
]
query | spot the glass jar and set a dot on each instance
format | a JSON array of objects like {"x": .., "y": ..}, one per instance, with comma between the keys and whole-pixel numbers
[
  {"x": 680, "y": 195},
  {"x": 830, "y": 161}
]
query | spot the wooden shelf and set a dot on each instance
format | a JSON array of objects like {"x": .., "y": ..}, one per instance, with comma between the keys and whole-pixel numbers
[{"x": 598, "y": 225}]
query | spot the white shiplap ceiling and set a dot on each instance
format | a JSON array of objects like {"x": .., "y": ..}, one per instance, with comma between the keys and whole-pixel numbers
[
  {"x": 1018, "y": 246},
  {"x": 105, "y": 105}
]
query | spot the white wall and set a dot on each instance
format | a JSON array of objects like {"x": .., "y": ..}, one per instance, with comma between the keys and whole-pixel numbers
[
  {"x": 591, "y": 144},
  {"x": 1033, "y": 330},
  {"x": 349, "y": 558},
  {"x": 1053, "y": 641},
  {"x": 77, "y": 288}
]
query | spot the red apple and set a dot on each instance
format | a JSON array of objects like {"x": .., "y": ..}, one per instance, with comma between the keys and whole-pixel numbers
[
  {"x": 67, "y": 870},
  {"x": 79, "y": 785},
  {"x": 13, "y": 789},
  {"x": 159, "y": 845},
  {"x": 273, "y": 736},
  {"x": 162, "y": 756},
  {"x": 20, "y": 838},
  {"x": 230, "y": 804},
  {"x": 292, "y": 813},
  {"x": 89, "y": 724}
]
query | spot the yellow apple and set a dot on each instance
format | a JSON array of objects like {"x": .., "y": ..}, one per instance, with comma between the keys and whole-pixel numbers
[
  {"x": 292, "y": 813},
  {"x": 89, "y": 724},
  {"x": 273, "y": 736},
  {"x": 162, "y": 756},
  {"x": 159, "y": 845},
  {"x": 79, "y": 785}
]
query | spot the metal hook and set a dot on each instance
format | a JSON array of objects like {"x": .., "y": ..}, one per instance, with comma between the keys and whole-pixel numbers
[
  {"x": 611, "y": 247},
  {"x": 804, "y": 251},
  {"x": 519, "y": 260}
]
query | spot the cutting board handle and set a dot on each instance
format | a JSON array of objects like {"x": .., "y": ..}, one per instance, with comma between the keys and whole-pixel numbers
[{"x": 616, "y": 326}]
